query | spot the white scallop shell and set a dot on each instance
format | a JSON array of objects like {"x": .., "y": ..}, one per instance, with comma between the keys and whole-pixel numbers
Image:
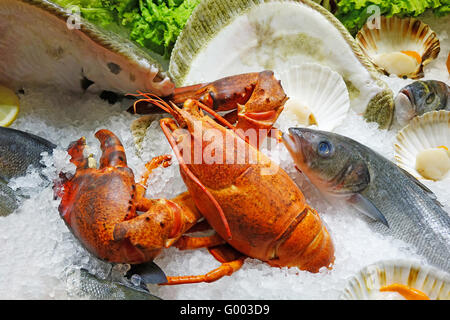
[
  {"x": 321, "y": 89},
  {"x": 394, "y": 35},
  {"x": 366, "y": 283},
  {"x": 430, "y": 130}
]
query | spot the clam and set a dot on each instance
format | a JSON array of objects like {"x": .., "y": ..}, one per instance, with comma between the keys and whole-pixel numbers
[
  {"x": 399, "y": 46},
  {"x": 42, "y": 44},
  {"x": 427, "y": 280},
  {"x": 223, "y": 38},
  {"x": 422, "y": 147},
  {"x": 317, "y": 95}
]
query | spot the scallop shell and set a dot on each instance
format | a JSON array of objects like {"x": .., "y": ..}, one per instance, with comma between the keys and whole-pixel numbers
[
  {"x": 367, "y": 282},
  {"x": 430, "y": 130},
  {"x": 223, "y": 38},
  {"x": 321, "y": 89},
  {"x": 395, "y": 35},
  {"x": 55, "y": 51}
]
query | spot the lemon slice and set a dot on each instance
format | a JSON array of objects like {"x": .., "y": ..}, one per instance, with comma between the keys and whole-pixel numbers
[{"x": 9, "y": 106}]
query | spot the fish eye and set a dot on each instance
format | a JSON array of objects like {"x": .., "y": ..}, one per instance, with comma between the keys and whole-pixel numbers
[
  {"x": 324, "y": 149},
  {"x": 430, "y": 98}
]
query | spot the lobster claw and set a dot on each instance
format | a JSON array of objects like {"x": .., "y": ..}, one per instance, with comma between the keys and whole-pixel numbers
[
  {"x": 76, "y": 151},
  {"x": 113, "y": 153}
]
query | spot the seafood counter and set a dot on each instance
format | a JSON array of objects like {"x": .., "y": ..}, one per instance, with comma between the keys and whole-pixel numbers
[{"x": 324, "y": 158}]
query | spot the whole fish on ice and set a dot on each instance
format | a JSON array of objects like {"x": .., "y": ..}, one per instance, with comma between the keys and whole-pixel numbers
[
  {"x": 18, "y": 151},
  {"x": 420, "y": 97},
  {"x": 402, "y": 206}
]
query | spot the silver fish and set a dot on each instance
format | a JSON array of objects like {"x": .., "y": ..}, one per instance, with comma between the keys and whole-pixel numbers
[
  {"x": 43, "y": 44},
  {"x": 420, "y": 97},
  {"x": 18, "y": 151},
  {"x": 8, "y": 199},
  {"x": 401, "y": 205},
  {"x": 82, "y": 284}
]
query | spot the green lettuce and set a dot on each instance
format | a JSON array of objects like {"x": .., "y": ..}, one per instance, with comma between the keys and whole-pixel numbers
[
  {"x": 154, "y": 24},
  {"x": 354, "y": 13}
]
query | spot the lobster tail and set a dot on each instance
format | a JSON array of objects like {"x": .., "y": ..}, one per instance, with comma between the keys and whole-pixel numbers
[
  {"x": 113, "y": 151},
  {"x": 307, "y": 244}
]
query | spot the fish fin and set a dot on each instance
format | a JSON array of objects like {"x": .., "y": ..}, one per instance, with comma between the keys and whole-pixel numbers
[
  {"x": 149, "y": 272},
  {"x": 368, "y": 208},
  {"x": 422, "y": 186}
]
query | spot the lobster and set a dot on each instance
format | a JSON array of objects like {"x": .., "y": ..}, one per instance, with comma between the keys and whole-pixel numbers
[{"x": 263, "y": 216}]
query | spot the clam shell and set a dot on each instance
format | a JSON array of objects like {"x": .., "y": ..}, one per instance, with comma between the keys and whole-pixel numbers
[
  {"x": 321, "y": 89},
  {"x": 430, "y": 130},
  {"x": 395, "y": 35},
  {"x": 429, "y": 280},
  {"x": 41, "y": 44},
  {"x": 223, "y": 38}
]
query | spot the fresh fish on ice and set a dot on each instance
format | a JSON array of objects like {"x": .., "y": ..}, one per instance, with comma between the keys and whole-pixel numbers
[
  {"x": 408, "y": 210},
  {"x": 18, "y": 151},
  {"x": 420, "y": 97}
]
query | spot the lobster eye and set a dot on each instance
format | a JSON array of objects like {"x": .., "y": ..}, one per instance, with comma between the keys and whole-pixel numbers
[
  {"x": 430, "y": 98},
  {"x": 324, "y": 149}
]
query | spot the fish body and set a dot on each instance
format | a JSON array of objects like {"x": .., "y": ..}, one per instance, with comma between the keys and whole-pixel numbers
[
  {"x": 18, "y": 150},
  {"x": 8, "y": 200},
  {"x": 403, "y": 207},
  {"x": 82, "y": 284},
  {"x": 420, "y": 97}
]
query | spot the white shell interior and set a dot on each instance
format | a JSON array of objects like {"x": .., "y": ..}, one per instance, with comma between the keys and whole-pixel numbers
[
  {"x": 430, "y": 130},
  {"x": 275, "y": 36},
  {"x": 38, "y": 48},
  {"x": 366, "y": 284},
  {"x": 385, "y": 43},
  {"x": 320, "y": 89}
]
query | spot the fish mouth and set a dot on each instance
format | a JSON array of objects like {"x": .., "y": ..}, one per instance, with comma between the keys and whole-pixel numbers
[
  {"x": 407, "y": 94},
  {"x": 293, "y": 142}
]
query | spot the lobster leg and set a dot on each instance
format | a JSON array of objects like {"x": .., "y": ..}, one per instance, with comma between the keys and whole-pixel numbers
[
  {"x": 231, "y": 261},
  {"x": 189, "y": 243}
]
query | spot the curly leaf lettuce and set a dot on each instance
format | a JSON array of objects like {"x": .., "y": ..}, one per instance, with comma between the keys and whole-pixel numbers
[
  {"x": 154, "y": 24},
  {"x": 354, "y": 13}
]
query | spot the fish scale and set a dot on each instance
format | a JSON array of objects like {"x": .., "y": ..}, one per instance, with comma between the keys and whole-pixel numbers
[{"x": 412, "y": 214}]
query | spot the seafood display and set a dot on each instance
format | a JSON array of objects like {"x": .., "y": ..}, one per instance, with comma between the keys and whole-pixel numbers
[
  {"x": 398, "y": 280},
  {"x": 406, "y": 208},
  {"x": 421, "y": 147},
  {"x": 18, "y": 151},
  {"x": 317, "y": 95},
  {"x": 399, "y": 46},
  {"x": 225, "y": 185},
  {"x": 420, "y": 97},
  {"x": 100, "y": 205},
  {"x": 262, "y": 215},
  {"x": 253, "y": 35},
  {"x": 71, "y": 54}
]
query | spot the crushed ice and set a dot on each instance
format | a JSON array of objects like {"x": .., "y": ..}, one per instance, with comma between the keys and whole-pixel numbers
[{"x": 37, "y": 248}]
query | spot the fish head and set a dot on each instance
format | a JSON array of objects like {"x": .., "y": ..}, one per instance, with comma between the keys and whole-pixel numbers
[
  {"x": 328, "y": 160},
  {"x": 418, "y": 98}
]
